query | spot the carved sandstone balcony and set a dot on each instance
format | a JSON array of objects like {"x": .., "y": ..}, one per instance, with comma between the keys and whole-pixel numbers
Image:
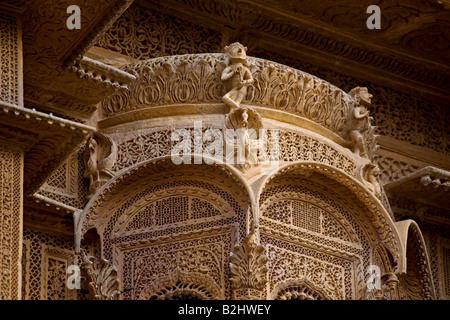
[{"x": 191, "y": 84}]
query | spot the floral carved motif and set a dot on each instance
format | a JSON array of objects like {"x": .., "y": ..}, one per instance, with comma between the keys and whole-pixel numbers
[
  {"x": 248, "y": 264},
  {"x": 101, "y": 278},
  {"x": 196, "y": 78}
]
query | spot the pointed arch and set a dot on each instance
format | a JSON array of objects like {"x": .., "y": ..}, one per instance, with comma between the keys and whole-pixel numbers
[{"x": 382, "y": 228}]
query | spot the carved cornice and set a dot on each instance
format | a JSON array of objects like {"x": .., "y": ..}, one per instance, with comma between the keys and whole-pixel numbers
[
  {"x": 53, "y": 140},
  {"x": 428, "y": 186},
  {"x": 52, "y": 54}
]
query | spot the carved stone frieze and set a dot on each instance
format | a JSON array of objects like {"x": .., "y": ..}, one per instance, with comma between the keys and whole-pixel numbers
[{"x": 196, "y": 79}]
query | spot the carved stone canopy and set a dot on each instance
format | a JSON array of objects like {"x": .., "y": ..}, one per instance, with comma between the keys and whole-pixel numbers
[{"x": 46, "y": 140}]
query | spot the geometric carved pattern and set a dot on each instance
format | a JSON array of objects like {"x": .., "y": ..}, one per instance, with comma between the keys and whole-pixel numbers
[
  {"x": 11, "y": 162},
  {"x": 446, "y": 270},
  {"x": 9, "y": 59},
  {"x": 305, "y": 215},
  {"x": 54, "y": 264},
  {"x": 46, "y": 257},
  {"x": 293, "y": 146},
  {"x": 67, "y": 184},
  {"x": 285, "y": 266},
  {"x": 171, "y": 210},
  {"x": 302, "y": 208}
]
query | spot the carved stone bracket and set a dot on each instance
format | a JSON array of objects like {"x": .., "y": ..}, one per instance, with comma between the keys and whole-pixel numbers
[
  {"x": 100, "y": 278},
  {"x": 244, "y": 123},
  {"x": 100, "y": 156},
  {"x": 248, "y": 265}
]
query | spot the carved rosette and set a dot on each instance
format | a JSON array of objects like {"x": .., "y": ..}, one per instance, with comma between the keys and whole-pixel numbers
[{"x": 248, "y": 265}]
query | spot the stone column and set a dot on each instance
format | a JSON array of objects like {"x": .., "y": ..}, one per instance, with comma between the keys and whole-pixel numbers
[{"x": 11, "y": 160}]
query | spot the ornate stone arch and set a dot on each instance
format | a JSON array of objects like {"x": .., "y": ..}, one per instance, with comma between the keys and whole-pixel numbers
[
  {"x": 297, "y": 290},
  {"x": 183, "y": 234},
  {"x": 415, "y": 280},
  {"x": 180, "y": 291},
  {"x": 353, "y": 207}
]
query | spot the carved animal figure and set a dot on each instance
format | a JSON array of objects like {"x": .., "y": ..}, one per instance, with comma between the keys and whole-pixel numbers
[
  {"x": 358, "y": 120},
  {"x": 237, "y": 74},
  {"x": 99, "y": 156}
]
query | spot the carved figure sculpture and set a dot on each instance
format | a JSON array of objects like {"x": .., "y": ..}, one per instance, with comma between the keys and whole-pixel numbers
[
  {"x": 359, "y": 118},
  {"x": 246, "y": 123},
  {"x": 237, "y": 74},
  {"x": 100, "y": 156},
  {"x": 368, "y": 174}
]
